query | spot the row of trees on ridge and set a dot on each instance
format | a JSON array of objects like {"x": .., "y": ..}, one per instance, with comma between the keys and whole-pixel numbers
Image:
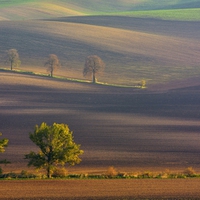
[{"x": 93, "y": 64}]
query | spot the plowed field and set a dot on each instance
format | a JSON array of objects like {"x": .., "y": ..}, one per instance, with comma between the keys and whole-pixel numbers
[
  {"x": 132, "y": 130},
  {"x": 101, "y": 189}
]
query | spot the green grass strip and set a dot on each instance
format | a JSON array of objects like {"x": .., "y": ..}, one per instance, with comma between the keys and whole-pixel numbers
[
  {"x": 69, "y": 79},
  {"x": 192, "y": 14}
]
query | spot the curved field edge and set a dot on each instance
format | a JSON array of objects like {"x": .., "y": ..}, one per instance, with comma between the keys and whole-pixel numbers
[{"x": 72, "y": 79}]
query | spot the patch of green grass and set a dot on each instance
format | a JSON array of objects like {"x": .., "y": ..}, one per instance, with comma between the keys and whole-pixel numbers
[{"x": 192, "y": 14}]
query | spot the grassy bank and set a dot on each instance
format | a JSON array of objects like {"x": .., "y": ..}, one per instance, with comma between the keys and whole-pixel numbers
[
  {"x": 111, "y": 173},
  {"x": 139, "y": 86}
]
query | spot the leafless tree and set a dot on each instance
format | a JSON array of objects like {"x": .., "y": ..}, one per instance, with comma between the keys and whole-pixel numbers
[
  {"x": 52, "y": 64},
  {"x": 13, "y": 58},
  {"x": 93, "y": 66}
]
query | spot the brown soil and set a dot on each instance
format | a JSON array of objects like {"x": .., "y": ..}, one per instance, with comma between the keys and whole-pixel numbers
[
  {"x": 101, "y": 189},
  {"x": 132, "y": 130}
]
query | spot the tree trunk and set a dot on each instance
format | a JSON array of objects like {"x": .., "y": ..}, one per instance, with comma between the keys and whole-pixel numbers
[
  {"x": 11, "y": 65},
  {"x": 93, "y": 77},
  {"x": 48, "y": 171}
]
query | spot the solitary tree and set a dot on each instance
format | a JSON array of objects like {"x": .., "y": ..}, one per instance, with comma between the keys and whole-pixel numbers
[
  {"x": 57, "y": 147},
  {"x": 13, "y": 58},
  {"x": 93, "y": 65},
  {"x": 52, "y": 64}
]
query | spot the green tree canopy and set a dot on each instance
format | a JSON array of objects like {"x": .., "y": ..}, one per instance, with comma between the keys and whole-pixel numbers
[
  {"x": 57, "y": 147},
  {"x": 13, "y": 58},
  {"x": 93, "y": 66},
  {"x": 3, "y": 144}
]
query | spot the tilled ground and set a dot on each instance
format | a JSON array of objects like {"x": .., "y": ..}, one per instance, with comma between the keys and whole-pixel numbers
[
  {"x": 129, "y": 129},
  {"x": 101, "y": 189}
]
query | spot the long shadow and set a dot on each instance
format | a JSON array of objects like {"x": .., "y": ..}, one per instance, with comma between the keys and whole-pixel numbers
[{"x": 108, "y": 122}]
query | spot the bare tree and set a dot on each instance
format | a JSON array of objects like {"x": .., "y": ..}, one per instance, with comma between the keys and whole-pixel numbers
[
  {"x": 52, "y": 64},
  {"x": 13, "y": 58},
  {"x": 93, "y": 66}
]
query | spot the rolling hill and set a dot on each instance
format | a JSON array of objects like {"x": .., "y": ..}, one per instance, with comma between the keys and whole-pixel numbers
[
  {"x": 159, "y": 52},
  {"x": 35, "y": 9},
  {"x": 132, "y": 47}
]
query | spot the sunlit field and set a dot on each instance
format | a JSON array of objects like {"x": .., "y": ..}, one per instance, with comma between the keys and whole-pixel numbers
[
  {"x": 161, "y": 52},
  {"x": 117, "y": 123},
  {"x": 35, "y": 9}
]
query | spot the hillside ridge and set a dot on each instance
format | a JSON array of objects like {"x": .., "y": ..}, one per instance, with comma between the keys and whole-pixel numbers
[{"x": 34, "y": 9}]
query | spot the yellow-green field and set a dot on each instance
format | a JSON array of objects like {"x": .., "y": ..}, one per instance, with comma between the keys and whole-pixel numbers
[{"x": 34, "y": 9}]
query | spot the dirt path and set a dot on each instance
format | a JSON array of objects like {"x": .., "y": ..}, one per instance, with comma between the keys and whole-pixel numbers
[{"x": 101, "y": 189}]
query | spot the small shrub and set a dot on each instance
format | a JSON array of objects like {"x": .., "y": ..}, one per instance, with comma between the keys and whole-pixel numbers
[
  {"x": 123, "y": 175},
  {"x": 74, "y": 176},
  {"x": 1, "y": 171},
  {"x": 143, "y": 84},
  {"x": 134, "y": 174},
  {"x": 146, "y": 175},
  {"x": 10, "y": 175},
  {"x": 181, "y": 176},
  {"x": 165, "y": 174},
  {"x": 60, "y": 172},
  {"x": 190, "y": 172},
  {"x": 111, "y": 172},
  {"x": 25, "y": 174}
]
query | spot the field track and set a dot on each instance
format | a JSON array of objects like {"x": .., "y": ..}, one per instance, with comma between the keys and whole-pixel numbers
[{"x": 101, "y": 189}]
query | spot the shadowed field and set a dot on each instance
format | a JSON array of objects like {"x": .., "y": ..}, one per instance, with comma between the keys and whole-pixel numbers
[{"x": 133, "y": 130}]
